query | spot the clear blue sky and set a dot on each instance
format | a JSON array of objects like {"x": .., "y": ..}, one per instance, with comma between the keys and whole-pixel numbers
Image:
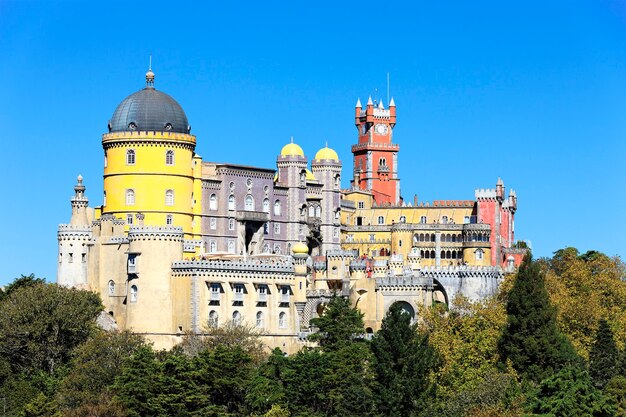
[{"x": 533, "y": 92}]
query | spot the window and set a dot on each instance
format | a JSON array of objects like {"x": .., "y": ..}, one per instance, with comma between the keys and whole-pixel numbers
[
  {"x": 213, "y": 318},
  {"x": 276, "y": 228},
  {"x": 318, "y": 211},
  {"x": 104, "y": 199},
  {"x": 466, "y": 219},
  {"x": 382, "y": 162},
  {"x": 215, "y": 292},
  {"x": 169, "y": 197},
  {"x": 266, "y": 205},
  {"x": 129, "y": 219},
  {"x": 213, "y": 202},
  {"x": 212, "y": 246},
  {"x": 236, "y": 318},
  {"x": 402, "y": 219},
  {"x": 381, "y": 220},
  {"x": 111, "y": 288},
  {"x": 259, "y": 319},
  {"x": 213, "y": 223},
  {"x": 372, "y": 238},
  {"x": 311, "y": 211},
  {"x": 231, "y": 186},
  {"x": 361, "y": 204},
  {"x": 479, "y": 254},
  {"x": 231, "y": 202},
  {"x": 277, "y": 249},
  {"x": 130, "y": 197},
  {"x": 335, "y": 232},
  {"x": 169, "y": 157},
  {"x": 169, "y": 219},
  {"x": 282, "y": 320},
  {"x": 231, "y": 224},
  {"x": 303, "y": 178},
  {"x": 337, "y": 215},
  {"x": 423, "y": 220},
  {"x": 249, "y": 203},
  {"x": 133, "y": 294},
  {"x": 130, "y": 157},
  {"x": 444, "y": 219},
  {"x": 277, "y": 208},
  {"x": 337, "y": 181},
  {"x": 238, "y": 292},
  {"x": 106, "y": 162},
  {"x": 83, "y": 257},
  {"x": 231, "y": 246}
]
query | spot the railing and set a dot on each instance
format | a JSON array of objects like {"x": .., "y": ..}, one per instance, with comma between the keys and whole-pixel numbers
[
  {"x": 262, "y": 297},
  {"x": 284, "y": 298},
  {"x": 215, "y": 296},
  {"x": 238, "y": 296}
]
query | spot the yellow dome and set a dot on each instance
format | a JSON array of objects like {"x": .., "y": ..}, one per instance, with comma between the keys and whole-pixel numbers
[
  {"x": 300, "y": 248},
  {"x": 310, "y": 176},
  {"x": 327, "y": 153},
  {"x": 291, "y": 149}
]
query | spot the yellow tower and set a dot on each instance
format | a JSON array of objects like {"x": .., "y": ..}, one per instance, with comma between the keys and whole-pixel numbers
[{"x": 148, "y": 156}]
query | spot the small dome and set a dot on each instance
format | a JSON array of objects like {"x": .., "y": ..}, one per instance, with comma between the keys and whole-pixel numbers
[
  {"x": 149, "y": 110},
  {"x": 291, "y": 149},
  {"x": 300, "y": 249},
  {"x": 310, "y": 176},
  {"x": 327, "y": 153}
]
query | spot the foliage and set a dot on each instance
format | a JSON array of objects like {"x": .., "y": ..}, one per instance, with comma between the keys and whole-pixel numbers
[
  {"x": 570, "y": 392},
  {"x": 41, "y": 406},
  {"x": 340, "y": 325},
  {"x": 96, "y": 364},
  {"x": 531, "y": 340},
  {"x": 40, "y": 325},
  {"x": 267, "y": 388},
  {"x": 603, "y": 358},
  {"x": 229, "y": 335},
  {"x": 21, "y": 282},
  {"x": 403, "y": 363},
  {"x": 584, "y": 289},
  {"x": 616, "y": 388}
]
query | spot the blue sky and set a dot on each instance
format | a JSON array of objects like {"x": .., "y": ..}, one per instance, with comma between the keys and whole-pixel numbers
[{"x": 533, "y": 92}]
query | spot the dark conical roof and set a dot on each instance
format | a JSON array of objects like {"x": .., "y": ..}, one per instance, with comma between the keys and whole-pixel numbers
[{"x": 149, "y": 110}]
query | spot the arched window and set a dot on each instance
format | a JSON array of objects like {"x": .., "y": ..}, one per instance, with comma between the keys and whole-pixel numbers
[
  {"x": 423, "y": 220},
  {"x": 133, "y": 294},
  {"x": 249, "y": 203},
  {"x": 259, "y": 319},
  {"x": 213, "y": 318},
  {"x": 111, "y": 288},
  {"x": 231, "y": 224},
  {"x": 479, "y": 254},
  {"x": 266, "y": 205},
  {"x": 454, "y": 238},
  {"x": 231, "y": 202},
  {"x": 432, "y": 254},
  {"x": 130, "y": 157},
  {"x": 402, "y": 219},
  {"x": 231, "y": 246},
  {"x": 277, "y": 208},
  {"x": 130, "y": 197},
  {"x": 213, "y": 202},
  {"x": 453, "y": 254},
  {"x": 277, "y": 249},
  {"x": 311, "y": 211},
  {"x": 337, "y": 214},
  {"x": 337, "y": 181},
  {"x": 282, "y": 320},
  {"x": 303, "y": 211},
  {"x": 104, "y": 199},
  {"x": 318, "y": 211},
  {"x": 169, "y": 157},
  {"x": 212, "y": 246},
  {"x": 169, "y": 197},
  {"x": 381, "y": 220},
  {"x": 432, "y": 237},
  {"x": 169, "y": 219},
  {"x": 382, "y": 162},
  {"x": 303, "y": 177},
  {"x": 236, "y": 318},
  {"x": 444, "y": 219}
]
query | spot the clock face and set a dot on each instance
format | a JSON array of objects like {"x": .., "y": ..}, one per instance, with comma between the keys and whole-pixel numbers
[{"x": 381, "y": 129}]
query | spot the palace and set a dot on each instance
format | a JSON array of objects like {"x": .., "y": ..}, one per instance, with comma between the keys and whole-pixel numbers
[{"x": 180, "y": 244}]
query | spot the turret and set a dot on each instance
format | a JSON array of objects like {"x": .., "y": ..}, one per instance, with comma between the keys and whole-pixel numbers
[{"x": 326, "y": 167}]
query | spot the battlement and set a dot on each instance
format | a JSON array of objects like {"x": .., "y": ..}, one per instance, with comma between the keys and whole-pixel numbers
[
  {"x": 155, "y": 233},
  {"x": 142, "y": 135},
  {"x": 462, "y": 271},
  {"x": 342, "y": 254},
  {"x": 69, "y": 232},
  {"x": 488, "y": 193},
  {"x": 191, "y": 245},
  {"x": 232, "y": 269},
  {"x": 399, "y": 282}
]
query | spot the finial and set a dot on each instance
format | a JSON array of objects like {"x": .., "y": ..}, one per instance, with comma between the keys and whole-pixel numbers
[
  {"x": 327, "y": 144},
  {"x": 369, "y": 101},
  {"x": 380, "y": 104},
  {"x": 392, "y": 103},
  {"x": 292, "y": 139},
  {"x": 358, "y": 103},
  {"x": 80, "y": 179},
  {"x": 150, "y": 75}
]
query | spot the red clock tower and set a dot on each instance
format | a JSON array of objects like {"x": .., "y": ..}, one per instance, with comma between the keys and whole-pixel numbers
[{"x": 375, "y": 157}]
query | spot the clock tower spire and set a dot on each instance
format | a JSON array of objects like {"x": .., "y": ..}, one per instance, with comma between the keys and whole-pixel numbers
[{"x": 375, "y": 156}]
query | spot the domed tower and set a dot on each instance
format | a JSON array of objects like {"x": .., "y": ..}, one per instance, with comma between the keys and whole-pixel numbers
[
  {"x": 326, "y": 167},
  {"x": 292, "y": 174},
  {"x": 148, "y": 160}
]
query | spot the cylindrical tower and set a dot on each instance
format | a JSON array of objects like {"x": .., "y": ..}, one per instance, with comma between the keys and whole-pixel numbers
[
  {"x": 149, "y": 160},
  {"x": 326, "y": 167}
]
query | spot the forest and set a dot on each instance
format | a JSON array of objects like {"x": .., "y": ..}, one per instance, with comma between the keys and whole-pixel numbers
[{"x": 551, "y": 342}]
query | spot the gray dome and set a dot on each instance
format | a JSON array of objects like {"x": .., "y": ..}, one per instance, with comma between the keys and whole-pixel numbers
[{"x": 149, "y": 110}]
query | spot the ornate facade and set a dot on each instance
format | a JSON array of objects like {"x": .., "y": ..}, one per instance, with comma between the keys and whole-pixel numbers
[{"x": 180, "y": 243}]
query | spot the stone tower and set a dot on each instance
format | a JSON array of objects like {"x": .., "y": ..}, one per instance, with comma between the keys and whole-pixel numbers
[
  {"x": 375, "y": 156},
  {"x": 292, "y": 173},
  {"x": 326, "y": 167}
]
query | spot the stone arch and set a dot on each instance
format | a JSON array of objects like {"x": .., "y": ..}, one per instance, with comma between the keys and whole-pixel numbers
[
  {"x": 406, "y": 307},
  {"x": 440, "y": 295}
]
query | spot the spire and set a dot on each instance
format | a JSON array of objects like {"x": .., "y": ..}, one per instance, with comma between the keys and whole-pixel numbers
[
  {"x": 79, "y": 204},
  {"x": 358, "y": 103},
  {"x": 291, "y": 138},
  {"x": 369, "y": 101},
  {"x": 392, "y": 103},
  {"x": 380, "y": 105},
  {"x": 150, "y": 75}
]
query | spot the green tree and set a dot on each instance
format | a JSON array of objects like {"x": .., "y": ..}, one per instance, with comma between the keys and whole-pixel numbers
[
  {"x": 40, "y": 325},
  {"x": 22, "y": 281},
  {"x": 267, "y": 387},
  {"x": 616, "y": 388},
  {"x": 603, "y": 358},
  {"x": 41, "y": 406},
  {"x": 94, "y": 367},
  {"x": 531, "y": 339},
  {"x": 403, "y": 363},
  {"x": 339, "y": 325},
  {"x": 570, "y": 392}
]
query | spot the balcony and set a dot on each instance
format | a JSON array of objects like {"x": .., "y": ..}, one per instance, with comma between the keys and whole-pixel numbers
[
  {"x": 215, "y": 296},
  {"x": 262, "y": 297},
  {"x": 252, "y": 216}
]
